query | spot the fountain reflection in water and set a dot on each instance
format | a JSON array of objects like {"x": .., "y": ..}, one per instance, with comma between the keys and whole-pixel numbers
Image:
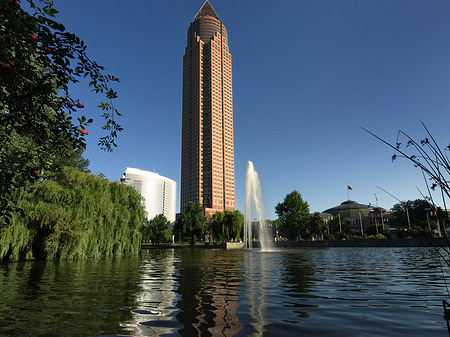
[{"x": 253, "y": 192}]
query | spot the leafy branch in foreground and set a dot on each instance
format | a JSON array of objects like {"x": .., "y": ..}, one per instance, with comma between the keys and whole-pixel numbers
[{"x": 39, "y": 119}]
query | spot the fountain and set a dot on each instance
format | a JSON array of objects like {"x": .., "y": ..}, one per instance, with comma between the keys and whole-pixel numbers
[{"x": 253, "y": 191}]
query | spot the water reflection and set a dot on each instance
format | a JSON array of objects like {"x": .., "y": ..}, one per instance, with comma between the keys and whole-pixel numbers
[
  {"x": 208, "y": 292},
  {"x": 156, "y": 299},
  {"x": 256, "y": 266},
  {"x": 68, "y": 298},
  {"x": 208, "y": 285}
]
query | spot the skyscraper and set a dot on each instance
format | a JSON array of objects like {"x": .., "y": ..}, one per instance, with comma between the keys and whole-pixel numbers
[{"x": 207, "y": 154}]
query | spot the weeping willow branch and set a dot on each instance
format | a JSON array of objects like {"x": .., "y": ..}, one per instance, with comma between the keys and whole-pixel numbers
[{"x": 77, "y": 216}]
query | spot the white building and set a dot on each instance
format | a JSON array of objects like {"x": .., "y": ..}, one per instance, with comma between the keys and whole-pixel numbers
[{"x": 158, "y": 192}]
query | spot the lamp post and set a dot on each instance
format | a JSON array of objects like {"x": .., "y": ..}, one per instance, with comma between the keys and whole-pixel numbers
[
  {"x": 360, "y": 222},
  {"x": 428, "y": 219}
]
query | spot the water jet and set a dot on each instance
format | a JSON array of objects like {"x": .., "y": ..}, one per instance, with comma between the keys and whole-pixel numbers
[{"x": 253, "y": 193}]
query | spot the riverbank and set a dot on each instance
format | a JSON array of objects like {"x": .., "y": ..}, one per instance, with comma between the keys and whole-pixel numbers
[
  {"x": 418, "y": 242},
  {"x": 223, "y": 245}
]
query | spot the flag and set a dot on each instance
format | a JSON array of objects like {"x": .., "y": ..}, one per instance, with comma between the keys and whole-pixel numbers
[{"x": 349, "y": 188}]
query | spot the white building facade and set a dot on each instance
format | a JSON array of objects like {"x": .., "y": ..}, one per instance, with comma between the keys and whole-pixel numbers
[{"x": 158, "y": 192}]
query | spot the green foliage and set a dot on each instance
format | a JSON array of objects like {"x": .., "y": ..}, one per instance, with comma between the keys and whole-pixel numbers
[
  {"x": 234, "y": 223},
  {"x": 39, "y": 120},
  {"x": 378, "y": 229},
  {"x": 227, "y": 225},
  {"x": 378, "y": 236},
  {"x": 418, "y": 211},
  {"x": 217, "y": 227},
  {"x": 191, "y": 224},
  {"x": 293, "y": 214},
  {"x": 317, "y": 225},
  {"x": 340, "y": 228},
  {"x": 157, "y": 230},
  {"x": 80, "y": 215}
]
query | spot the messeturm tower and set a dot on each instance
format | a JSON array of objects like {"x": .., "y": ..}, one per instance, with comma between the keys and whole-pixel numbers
[{"x": 207, "y": 154}]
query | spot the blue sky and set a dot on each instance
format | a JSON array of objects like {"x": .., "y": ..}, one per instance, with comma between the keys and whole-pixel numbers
[{"x": 306, "y": 75}]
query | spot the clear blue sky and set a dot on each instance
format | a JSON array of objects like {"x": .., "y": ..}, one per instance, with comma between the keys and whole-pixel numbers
[{"x": 306, "y": 74}]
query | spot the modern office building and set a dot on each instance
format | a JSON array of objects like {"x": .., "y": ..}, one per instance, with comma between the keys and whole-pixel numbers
[
  {"x": 159, "y": 193},
  {"x": 207, "y": 154}
]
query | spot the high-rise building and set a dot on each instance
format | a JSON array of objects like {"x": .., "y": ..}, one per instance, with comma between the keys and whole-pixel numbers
[
  {"x": 207, "y": 154},
  {"x": 159, "y": 193}
]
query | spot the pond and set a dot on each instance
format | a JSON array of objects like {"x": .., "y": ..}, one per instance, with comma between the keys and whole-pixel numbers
[{"x": 213, "y": 292}]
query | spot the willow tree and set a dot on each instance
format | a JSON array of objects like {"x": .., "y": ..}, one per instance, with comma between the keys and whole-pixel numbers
[
  {"x": 217, "y": 226},
  {"x": 39, "y": 119},
  {"x": 78, "y": 215}
]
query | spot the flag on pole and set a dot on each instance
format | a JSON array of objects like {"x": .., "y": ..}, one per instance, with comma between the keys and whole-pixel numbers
[{"x": 349, "y": 188}]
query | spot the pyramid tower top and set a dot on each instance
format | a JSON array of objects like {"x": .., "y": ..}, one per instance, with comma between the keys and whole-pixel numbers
[{"x": 206, "y": 10}]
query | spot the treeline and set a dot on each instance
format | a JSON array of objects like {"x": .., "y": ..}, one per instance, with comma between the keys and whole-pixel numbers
[
  {"x": 193, "y": 225},
  {"x": 417, "y": 218},
  {"x": 77, "y": 215},
  {"x": 296, "y": 222},
  {"x": 410, "y": 219}
]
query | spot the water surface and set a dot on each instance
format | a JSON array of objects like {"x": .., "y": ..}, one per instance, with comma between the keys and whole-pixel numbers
[{"x": 212, "y": 292}]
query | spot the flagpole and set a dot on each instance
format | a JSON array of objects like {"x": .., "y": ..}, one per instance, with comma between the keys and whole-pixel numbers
[{"x": 348, "y": 194}]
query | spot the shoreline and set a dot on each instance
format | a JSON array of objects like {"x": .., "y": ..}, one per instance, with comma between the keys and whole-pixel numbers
[
  {"x": 417, "y": 242},
  {"x": 361, "y": 243}
]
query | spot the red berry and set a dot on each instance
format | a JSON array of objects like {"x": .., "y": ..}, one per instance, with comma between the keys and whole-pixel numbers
[
  {"x": 10, "y": 63},
  {"x": 15, "y": 3},
  {"x": 84, "y": 132},
  {"x": 79, "y": 105},
  {"x": 49, "y": 50},
  {"x": 34, "y": 173},
  {"x": 34, "y": 37}
]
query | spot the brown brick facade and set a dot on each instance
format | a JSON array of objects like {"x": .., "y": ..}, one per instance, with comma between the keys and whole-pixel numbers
[{"x": 207, "y": 156}]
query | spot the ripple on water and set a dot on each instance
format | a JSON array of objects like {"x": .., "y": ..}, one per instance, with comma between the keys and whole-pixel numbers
[
  {"x": 321, "y": 293},
  {"x": 144, "y": 312}
]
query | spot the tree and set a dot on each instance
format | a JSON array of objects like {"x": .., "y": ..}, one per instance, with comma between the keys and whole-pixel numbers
[
  {"x": 317, "y": 225},
  {"x": 78, "y": 215},
  {"x": 234, "y": 223},
  {"x": 73, "y": 159},
  {"x": 157, "y": 230},
  {"x": 227, "y": 225},
  {"x": 293, "y": 214},
  {"x": 217, "y": 225},
  {"x": 191, "y": 224},
  {"x": 340, "y": 228},
  {"x": 39, "y": 120},
  {"x": 422, "y": 217},
  {"x": 382, "y": 229}
]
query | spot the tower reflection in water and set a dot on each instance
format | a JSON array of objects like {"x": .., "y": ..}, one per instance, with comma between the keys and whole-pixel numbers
[
  {"x": 209, "y": 282},
  {"x": 213, "y": 292},
  {"x": 189, "y": 292}
]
